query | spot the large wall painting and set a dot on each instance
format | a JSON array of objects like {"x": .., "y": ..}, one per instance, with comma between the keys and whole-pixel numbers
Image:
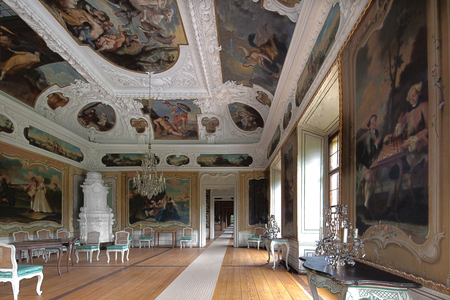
[
  {"x": 31, "y": 191},
  {"x": 170, "y": 207},
  {"x": 324, "y": 42},
  {"x": 289, "y": 186},
  {"x": 245, "y": 117},
  {"x": 140, "y": 36},
  {"x": 258, "y": 202},
  {"x": 174, "y": 119},
  {"x": 224, "y": 160},
  {"x": 43, "y": 140},
  {"x": 391, "y": 119},
  {"x": 256, "y": 43},
  {"x": 27, "y": 65},
  {"x": 388, "y": 106}
]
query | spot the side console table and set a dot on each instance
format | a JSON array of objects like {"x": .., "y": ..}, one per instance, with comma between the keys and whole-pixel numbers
[
  {"x": 270, "y": 242},
  {"x": 360, "y": 281}
]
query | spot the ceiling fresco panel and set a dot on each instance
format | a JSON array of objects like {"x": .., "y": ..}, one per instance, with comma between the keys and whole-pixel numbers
[
  {"x": 254, "y": 42},
  {"x": 139, "y": 35},
  {"x": 28, "y": 67}
]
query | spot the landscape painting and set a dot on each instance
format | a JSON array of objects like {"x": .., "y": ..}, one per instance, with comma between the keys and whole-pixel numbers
[
  {"x": 141, "y": 36},
  {"x": 224, "y": 160},
  {"x": 177, "y": 160},
  {"x": 123, "y": 159},
  {"x": 254, "y": 43},
  {"x": 28, "y": 67},
  {"x": 324, "y": 42},
  {"x": 43, "y": 140},
  {"x": 29, "y": 192}
]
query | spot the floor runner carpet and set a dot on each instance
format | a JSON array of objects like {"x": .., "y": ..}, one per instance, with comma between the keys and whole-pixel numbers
[{"x": 198, "y": 280}]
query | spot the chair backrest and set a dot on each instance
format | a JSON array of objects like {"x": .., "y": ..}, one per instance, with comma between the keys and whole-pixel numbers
[
  {"x": 147, "y": 231},
  {"x": 122, "y": 238},
  {"x": 43, "y": 234},
  {"x": 8, "y": 259},
  {"x": 129, "y": 230},
  {"x": 187, "y": 232},
  {"x": 62, "y": 234},
  {"x": 259, "y": 231},
  {"x": 20, "y": 236},
  {"x": 93, "y": 238}
]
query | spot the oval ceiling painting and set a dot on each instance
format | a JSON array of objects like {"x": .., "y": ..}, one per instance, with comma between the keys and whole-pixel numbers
[
  {"x": 139, "y": 35},
  {"x": 245, "y": 117},
  {"x": 97, "y": 115}
]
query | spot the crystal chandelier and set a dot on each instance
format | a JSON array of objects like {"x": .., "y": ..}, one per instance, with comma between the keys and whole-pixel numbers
[{"x": 149, "y": 183}]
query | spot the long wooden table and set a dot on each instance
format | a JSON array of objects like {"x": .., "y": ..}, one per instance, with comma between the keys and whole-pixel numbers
[
  {"x": 173, "y": 232},
  {"x": 50, "y": 243},
  {"x": 356, "y": 282}
]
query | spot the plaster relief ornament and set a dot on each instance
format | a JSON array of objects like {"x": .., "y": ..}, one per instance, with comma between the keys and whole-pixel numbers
[
  {"x": 139, "y": 124},
  {"x": 210, "y": 124}
]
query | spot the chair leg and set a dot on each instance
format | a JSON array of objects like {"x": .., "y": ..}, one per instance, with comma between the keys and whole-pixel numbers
[
  {"x": 90, "y": 256},
  {"x": 98, "y": 254},
  {"x": 107, "y": 255},
  {"x": 258, "y": 245},
  {"x": 39, "y": 283},
  {"x": 115, "y": 256},
  {"x": 128, "y": 254},
  {"x": 15, "y": 289},
  {"x": 76, "y": 253},
  {"x": 122, "y": 255}
]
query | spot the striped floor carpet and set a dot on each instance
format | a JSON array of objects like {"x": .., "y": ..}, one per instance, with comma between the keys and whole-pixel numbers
[{"x": 198, "y": 280}]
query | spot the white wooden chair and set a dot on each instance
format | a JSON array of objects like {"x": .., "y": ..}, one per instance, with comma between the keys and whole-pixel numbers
[
  {"x": 121, "y": 244},
  {"x": 130, "y": 230},
  {"x": 60, "y": 234},
  {"x": 147, "y": 237},
  {"x": 256, "y": 237},
  {"x": 22, "y": 236},
  {"x": 92, "y": 244},
  {"x": 10, "y": 271},
  {"x": 44, "y": 234},
  {"x": 188, "y": 237}
]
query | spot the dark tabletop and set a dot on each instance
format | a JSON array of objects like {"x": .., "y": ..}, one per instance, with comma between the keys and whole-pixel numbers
[{"x": 359, "y": 274}]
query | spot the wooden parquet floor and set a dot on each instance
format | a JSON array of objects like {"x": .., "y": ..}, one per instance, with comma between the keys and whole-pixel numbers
[{"x": 244, "y": 275}]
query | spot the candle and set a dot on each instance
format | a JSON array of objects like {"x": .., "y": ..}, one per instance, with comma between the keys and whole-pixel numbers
[
  {"x": 344, "y": 240},
  {"x": 320, "y": 233},
  {"x": 265, "y": 225},
  {"x": 355, "y": 235}
]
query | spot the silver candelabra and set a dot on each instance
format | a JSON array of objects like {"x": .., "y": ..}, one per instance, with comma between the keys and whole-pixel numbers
[
  {"x": 340, "y": 243},
  {"x": 272, "y": 228}
]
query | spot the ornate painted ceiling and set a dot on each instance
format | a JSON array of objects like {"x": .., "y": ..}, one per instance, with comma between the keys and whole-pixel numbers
[{"x": 198, "y": 78}]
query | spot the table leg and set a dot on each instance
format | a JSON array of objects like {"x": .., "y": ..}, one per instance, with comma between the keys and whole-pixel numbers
[
  {"x": 287, "y": 255},
  {"x": 268, "y": 252},
  {"x": 273, "y": 255},
  {"x": 30, "y": 252},
  {"x": 58, "y": 265},
  {"x": 312, "y": 286},
  {"x": 72, "y": 251},
  {"x": 67, "y": 259}
]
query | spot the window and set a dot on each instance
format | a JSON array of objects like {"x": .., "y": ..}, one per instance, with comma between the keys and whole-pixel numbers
[{"x": 333, "y": 171}]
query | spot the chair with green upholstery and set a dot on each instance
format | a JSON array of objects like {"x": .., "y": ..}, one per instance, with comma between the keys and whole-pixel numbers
[
  {"x": 121, "y": 244},
  {"x": 92, "y": 244},
  {"x": 10, "y": 271},
  {"x": 147, "y": 237},
  {"x": 22, "y": 236},
  {"x": 130, "y": 230},
  {"x": 256, "y": 237},
  {"x": 187, "y": 237}
]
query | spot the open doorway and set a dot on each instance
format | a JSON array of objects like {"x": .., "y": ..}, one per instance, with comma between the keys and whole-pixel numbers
[{"x": 223, "y": 215}]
